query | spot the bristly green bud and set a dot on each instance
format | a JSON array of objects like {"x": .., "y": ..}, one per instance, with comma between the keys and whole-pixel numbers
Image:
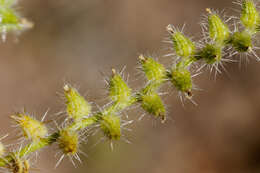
[
  {"x": 250, "y": 16},
  {"x": 152, "y": 103},
  {"x": 241, "y": 41},
  {"x": 154, "y": 71},
  {"x": 110, "y": 124},
  {"x": 181, "y": 79},
  {"x": 183, "y": 46},
  {"x": 32, "y": 128},
  {"x": 218, "y": 31},
  {"x": 211, "y": 53},
  {"x": 68, "y": 141},
  {"x": 77, "y": 106},
  {"x": 119, "y": 92}
]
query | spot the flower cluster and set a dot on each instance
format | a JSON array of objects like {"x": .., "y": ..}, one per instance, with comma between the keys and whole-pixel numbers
[{"x": 218, "y": 45}]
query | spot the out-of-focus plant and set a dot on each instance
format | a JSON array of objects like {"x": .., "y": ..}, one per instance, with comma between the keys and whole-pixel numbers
[{"x": 219, "y": 45}]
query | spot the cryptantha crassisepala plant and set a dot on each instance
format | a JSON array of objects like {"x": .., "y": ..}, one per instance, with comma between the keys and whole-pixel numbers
[{"x": 219, "y": 45}]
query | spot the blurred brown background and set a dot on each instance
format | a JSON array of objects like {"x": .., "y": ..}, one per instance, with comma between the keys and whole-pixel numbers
[{"x": 76, "y": 40}]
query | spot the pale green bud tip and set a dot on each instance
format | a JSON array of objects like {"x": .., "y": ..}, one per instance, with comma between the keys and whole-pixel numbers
[
  {"x": 111, "y": 126},
  {"x": 183, "y": 46},
  {"x": 68, "y": 141},
  {"x": 153, "y": 104},
  {"x": 2, "y": 149},
  {"x": 250, "y": 16},
  {"x": 118, "y": 89},
  {"x": 241, "y": 41},
  {"x": 218, "y": 30},
  {"x": 181, "y": 79},
  {"x": 153, "y": 70},
  {"x": 77, "y": 106},
  {"x": 32, "y": 128},
  {"x": 211, "y": 53}
]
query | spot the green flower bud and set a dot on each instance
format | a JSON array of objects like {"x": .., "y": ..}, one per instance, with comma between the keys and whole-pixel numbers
[
  {"x": 183, "y": 46},
  {"x": 153, "y": 70},
  {"x": 211, "y": 53},
  {"x": 241, "y": 41},
  {"x": 218, "y": 31},
  {"x": 119, "y": 91},
  {"x": 32, "y": 128},
  {"x": 77, "y": 106},
  {"x": 181, "y": 79},
  {"x": 153, "y": 104},
  {"x": 110, "y": 124},
  {"x": 68, "y": 141},
  {"x": 250, "y": 16}
]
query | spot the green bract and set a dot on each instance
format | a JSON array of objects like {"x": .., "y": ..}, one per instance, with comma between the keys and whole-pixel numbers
[
  {"x": 250, "y": 16},
  {"x": 218, "y": 31},
  {"x": 111, "y": 126},
  {"x": 183, "y": 46},
  {"x": 153, "y": 70},
  {"x": 68, "y": 141},
  {"x": 153, "y": 104},
  {"x": 77, "y": 106},
  {"x": 181, "y": 79},
  {"x": 119, "y": 92},
  {"x": 211, "y": 53},
  {"x": 241, "y": 41}
]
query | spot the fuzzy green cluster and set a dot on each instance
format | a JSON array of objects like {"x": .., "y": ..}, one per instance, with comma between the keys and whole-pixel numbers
[
  {"x": 68, "y": 141},
  {"x": 242, "y": 41},
  {"x": 149, "y": 98},
  {"x": 111, "y": 126}
]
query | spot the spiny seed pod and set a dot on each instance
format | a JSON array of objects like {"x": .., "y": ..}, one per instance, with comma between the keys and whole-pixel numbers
[
  {"x": 110, "y": 124},
  {"x": 153, "y": 70},
  {"x": 77, "y": 106},
  {"x": 241, "y": 41},
  {"x": 211, "y": 53},
  {"x": 181, "y": 79},
  {"x": 119, "y": 91},
  {"x": 152, "y": 103},
  {"x": 250, "y": 16},
  {"x": 2, "y": 149},
  {"x": 68, "y": 141},
  {"x": 32, "y": 128},
  {"x": 183, "y": 46},
  {"x": 218, "y": 31}
]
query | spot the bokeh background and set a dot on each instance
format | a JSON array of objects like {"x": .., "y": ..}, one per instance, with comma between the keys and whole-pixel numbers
[{"x": 79, "y": 41}]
